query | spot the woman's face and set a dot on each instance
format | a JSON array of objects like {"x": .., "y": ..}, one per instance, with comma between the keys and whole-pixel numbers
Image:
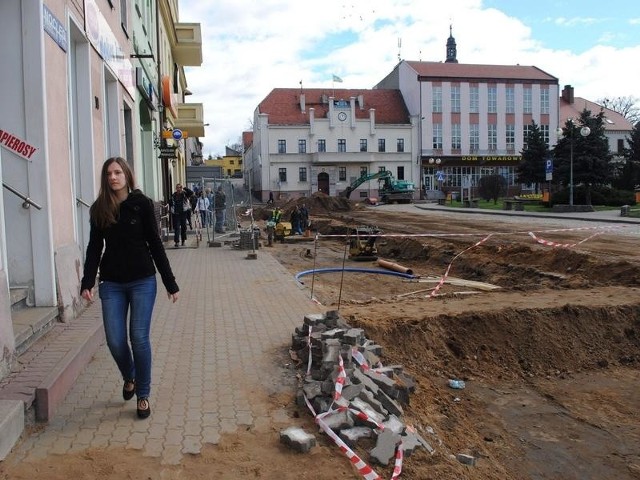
[{"x": 116, "y": 177}]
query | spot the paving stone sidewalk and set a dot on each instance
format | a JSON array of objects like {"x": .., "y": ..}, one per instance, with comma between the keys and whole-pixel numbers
[{"x": 216, "y": 355}]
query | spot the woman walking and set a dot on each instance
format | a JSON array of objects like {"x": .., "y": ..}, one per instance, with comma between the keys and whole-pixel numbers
[{"x": 123, "y": 225}]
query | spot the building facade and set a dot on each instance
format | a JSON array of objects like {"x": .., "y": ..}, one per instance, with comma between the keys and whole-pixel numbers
[
  {"x": 321, "y": 140},
  {"x": 84, "y": 84}
]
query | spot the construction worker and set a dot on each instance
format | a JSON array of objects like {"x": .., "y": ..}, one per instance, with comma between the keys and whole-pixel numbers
[{"x": 272, "y": 221}]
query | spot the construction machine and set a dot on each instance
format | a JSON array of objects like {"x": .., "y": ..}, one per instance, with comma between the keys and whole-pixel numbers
[
  {"x": 390, "y": 190},
  {"x": 362, "y": 242}
]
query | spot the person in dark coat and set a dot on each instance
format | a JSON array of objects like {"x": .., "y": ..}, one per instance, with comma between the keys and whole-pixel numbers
[
  {"x": 180, "y": 209},
  {"x": 125, "y": 245}
]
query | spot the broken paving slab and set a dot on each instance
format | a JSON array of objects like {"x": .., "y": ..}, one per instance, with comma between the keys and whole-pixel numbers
[{"x": 298, "y": 439}]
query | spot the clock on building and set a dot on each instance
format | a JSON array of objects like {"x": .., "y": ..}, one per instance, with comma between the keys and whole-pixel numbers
[{"x": 342, "y": 116}]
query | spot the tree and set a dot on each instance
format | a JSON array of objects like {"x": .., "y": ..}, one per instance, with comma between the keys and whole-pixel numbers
[
  {"x": 625, "y": 106},
  {"x": 534, "y": 156},
  {"x": 630, "y": 177},
  {"x": 591, "y": 157},
  {"x": 492, "y": 187}
]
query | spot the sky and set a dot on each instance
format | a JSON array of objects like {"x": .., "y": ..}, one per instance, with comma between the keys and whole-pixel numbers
[{"x": 250, "y": 47}]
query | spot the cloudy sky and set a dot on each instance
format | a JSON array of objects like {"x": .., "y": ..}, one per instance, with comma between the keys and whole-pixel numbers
[{"x": 253, "y": 46}]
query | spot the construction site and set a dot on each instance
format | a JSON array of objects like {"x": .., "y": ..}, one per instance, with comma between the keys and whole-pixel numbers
[
  {"x": 521, "y": 334},
  {"x": 539, "y": 318}
]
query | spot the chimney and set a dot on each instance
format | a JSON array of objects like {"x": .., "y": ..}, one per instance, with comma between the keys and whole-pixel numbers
[
  {"x": 303, "y": 105},
  {"x": 567, "y": 94}
]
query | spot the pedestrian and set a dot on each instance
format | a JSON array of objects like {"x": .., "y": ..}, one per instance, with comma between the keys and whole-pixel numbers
[
  {"x": 124, "y": 244},
  {"x": 304, "y": 217},
  {"x": 180, "y": 207},
  {"x": 270, "y": 201},
  {"x": 219, "y": 205},
  {"x": 202, "y": 206},
  {"x": 295, "y": 221}
]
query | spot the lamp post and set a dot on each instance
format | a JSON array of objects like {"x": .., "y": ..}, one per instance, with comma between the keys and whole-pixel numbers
[{"x": 584, "y": 131}]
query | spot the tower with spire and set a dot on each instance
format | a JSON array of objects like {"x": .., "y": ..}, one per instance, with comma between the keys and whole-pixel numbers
[{"x": 451, "y": 48}]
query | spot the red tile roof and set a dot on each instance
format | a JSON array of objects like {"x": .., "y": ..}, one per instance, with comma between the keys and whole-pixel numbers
[
  {"x": 283, "y": 104},
  {"x": 452, "y": 71},
  {"x": 613, "y": 120}
]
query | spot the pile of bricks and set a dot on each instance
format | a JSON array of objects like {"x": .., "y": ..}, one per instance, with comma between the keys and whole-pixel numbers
[{"x": 347, "y": 387}]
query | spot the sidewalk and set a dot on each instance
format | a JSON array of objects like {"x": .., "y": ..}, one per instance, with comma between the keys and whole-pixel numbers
[
  {"x": 214, "y": 350},
  {"x": 608, "y": 216}
]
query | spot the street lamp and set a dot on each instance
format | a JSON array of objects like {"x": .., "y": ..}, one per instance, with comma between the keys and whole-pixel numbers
[{"x": 584, "y": 131}]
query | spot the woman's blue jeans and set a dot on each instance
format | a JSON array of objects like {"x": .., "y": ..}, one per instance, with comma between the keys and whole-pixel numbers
[{"x": 136, "y": 298}]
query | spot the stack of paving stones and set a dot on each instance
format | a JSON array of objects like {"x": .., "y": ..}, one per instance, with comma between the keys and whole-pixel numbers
[{"x": 380, "y": 393}]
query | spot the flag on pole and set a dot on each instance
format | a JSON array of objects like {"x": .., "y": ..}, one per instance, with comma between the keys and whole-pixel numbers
[{"x": 337, "y": 79}]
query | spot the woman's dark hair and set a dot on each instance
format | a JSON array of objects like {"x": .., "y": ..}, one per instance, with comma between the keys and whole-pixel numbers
[{"x": 104, "y": 211}]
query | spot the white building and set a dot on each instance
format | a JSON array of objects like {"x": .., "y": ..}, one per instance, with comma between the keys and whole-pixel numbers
[{"x": 321, "y": 140}]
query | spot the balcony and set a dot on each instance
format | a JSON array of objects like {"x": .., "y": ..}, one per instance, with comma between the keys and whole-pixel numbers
[
  {"x": 187, "y": 50},
  {"x": 190, "y": 119}
]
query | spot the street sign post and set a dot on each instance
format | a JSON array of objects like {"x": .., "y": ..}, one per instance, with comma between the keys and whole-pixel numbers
[{"x": 548, "y": 170}]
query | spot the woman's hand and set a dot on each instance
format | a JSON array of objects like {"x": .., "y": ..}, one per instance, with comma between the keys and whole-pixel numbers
[
  {"x": 173, "y": 297},
  {"x": 87, "y": 295}
]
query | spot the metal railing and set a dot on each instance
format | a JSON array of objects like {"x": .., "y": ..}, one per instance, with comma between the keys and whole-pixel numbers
[{"x": 27, "y": 202}]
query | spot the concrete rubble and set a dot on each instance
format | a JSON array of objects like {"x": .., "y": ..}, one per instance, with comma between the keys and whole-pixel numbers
[{"x": 365, "y": 399}]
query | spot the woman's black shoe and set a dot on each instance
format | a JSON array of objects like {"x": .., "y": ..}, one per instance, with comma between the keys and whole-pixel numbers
[
  {"x": 144, "y": 409},
  {"x": 128, "y": 389}
]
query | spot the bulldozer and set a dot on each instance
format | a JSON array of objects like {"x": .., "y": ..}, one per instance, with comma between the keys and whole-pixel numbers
[{"x": 362, "y": 242}]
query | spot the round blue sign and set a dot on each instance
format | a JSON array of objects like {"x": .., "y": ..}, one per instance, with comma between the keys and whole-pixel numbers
[{"x": 177, "y": 134}]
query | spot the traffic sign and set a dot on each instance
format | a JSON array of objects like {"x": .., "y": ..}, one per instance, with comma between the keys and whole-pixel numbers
[
  {"x": 172, "y": 134},
  {"x": 548, "y": 169},
  {"x": 440, "y": 176}
]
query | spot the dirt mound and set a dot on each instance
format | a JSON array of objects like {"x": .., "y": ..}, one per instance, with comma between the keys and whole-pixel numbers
[{"x": 317, "y": 204}]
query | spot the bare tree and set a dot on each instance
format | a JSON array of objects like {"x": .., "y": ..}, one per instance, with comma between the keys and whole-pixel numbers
[{"x": 625, "y": 106}]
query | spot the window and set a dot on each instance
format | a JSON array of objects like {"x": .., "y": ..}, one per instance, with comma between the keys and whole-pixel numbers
[
  {"x": 381, "y": 145},
  {"x": 302, "y": 174},
  {"x": 544, "y": 100},
  {"x": 364, "y": 171},
  {"x": 620, "y": 150},
  {"x": 510, "y": 99},
  {"x": 474, "y": 100},
  {"x": 342, "y": 174},
  {"x": 455, "y": 136},
  {"x": 455, "y": 99},
  {"x": 400, "y": 145},
  {"x": 302, "y": 146},
  {"x": 124, "y": 8},
  {"x": 510, "y": 137},
  {"x": 400, "y": 174},
  {"x": 526, "y": 101},
  {"x": 526, "y": 130},
  {"x": 381, "y": 169},
  {"x": 492, "y": 137},
  {"x": 322, "y": 145},
  {"x": 342, "y": 145},
  {"x": 282, "y": 146},
  {"x": 437, "y": 136},
  {"x": 436, "y": 104},
  {"x": 474, "y": 137},
  {"x": 282, "y": 174},
  {"x": 492, "y": 97},
  {"x": 363, "y": 144},
  {"x": 544, "y": 129}
]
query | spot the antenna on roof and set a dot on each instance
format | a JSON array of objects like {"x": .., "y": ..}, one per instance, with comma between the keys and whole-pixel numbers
[{"x": 399, "y": 48}]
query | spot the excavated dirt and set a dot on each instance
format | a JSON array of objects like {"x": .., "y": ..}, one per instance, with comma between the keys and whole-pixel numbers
[{"x": 551, "y": 358}]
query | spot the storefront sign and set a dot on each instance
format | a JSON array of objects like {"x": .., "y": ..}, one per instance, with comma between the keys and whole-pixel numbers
[
  {"x": 491, "y": 158},
  {"x": 17, "y": 146}
]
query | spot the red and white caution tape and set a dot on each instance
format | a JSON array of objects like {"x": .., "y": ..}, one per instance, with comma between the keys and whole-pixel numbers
[
  {"x": 446, "y": 273},
  {"x": 342, "y": 377},
  {"x": 561, "y": 245}
]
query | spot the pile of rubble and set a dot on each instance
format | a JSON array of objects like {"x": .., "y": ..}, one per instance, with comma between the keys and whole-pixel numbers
[{"x": 351, "y": 395}]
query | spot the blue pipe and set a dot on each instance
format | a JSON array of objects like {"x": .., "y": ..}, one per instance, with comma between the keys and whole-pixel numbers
[{"x": 353, "y": 269}]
